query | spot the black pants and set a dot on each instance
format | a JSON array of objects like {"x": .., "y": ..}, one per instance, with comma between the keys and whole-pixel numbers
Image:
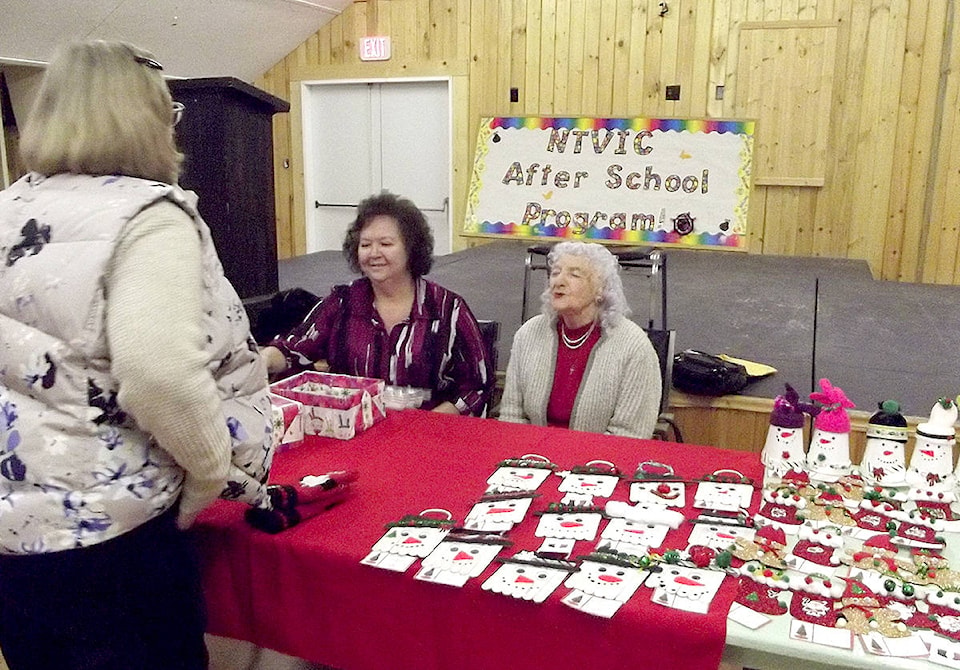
[{"x": 131, "y": 603}]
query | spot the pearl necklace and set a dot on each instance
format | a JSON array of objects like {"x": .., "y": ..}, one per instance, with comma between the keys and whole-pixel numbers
[{"x": 575, "y": 343}]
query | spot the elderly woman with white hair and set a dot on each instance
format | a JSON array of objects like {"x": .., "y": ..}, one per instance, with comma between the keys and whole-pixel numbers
[{"x": 582, "y": 364}]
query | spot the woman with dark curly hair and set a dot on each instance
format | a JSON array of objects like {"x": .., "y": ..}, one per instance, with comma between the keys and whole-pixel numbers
[{"x": 392, "y": 323}]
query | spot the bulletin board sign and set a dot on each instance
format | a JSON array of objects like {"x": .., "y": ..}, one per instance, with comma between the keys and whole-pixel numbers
[{"x": 639, "y": 181}]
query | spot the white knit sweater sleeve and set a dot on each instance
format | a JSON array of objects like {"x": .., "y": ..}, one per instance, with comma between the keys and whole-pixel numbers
[
  {"x": 638, "y": 395},
  {"x": 525, "y": 380},
  {"x": 154, "y": 329}
]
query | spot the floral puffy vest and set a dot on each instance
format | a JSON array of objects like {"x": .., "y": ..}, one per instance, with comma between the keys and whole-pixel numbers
[{"x": 74, "y": 468}]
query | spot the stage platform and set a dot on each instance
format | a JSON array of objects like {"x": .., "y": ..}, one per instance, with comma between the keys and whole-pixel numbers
[{"x": 807, "y": 317}]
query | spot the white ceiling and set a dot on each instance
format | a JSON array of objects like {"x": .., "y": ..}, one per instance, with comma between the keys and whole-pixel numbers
[{"x": 192, "y": 38}]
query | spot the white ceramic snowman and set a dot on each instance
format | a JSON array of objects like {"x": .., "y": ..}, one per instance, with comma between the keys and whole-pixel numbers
[
  {"x": 884, "y": 457},
  {"x": 783, "y": 448},
  {"x": 931, "y": 464},
  {"x": 828, "y": 458}
]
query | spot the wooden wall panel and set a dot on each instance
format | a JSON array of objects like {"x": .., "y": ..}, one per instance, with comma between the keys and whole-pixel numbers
[
  {"x": 785, "y": 81},
  {"x": 891, "y": 159},
  {"x": 906, "y": 224}
]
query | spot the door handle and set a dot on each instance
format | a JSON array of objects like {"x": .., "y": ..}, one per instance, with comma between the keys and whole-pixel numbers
[
  {"x": 442, "y": 208},
  {"x": 317, "y": 204}
]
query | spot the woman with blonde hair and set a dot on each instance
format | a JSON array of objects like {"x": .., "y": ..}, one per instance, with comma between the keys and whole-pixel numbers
[
  {"x": 582, "y": 364},
  {"x": 128, "y": 378}
]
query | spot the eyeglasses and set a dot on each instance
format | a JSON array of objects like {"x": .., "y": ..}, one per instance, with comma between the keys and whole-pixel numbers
[
  {"x": 178, "y": 108},
  {"x": 149, "y": 62}
]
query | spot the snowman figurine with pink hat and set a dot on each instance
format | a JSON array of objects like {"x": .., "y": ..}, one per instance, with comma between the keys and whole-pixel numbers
[
  {"x": 828, "y": 458},
  {"x": 931, "y": 464},
  {"x": 783, "y": 449}
]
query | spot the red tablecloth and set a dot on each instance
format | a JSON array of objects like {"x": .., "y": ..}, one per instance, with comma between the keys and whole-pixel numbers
[{"x": 304, "y": 591}]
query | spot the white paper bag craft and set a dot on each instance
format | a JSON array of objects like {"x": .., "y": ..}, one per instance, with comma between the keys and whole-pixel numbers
[
  {"x": 718, "y": 536},
  {"x": 527, "y": 577},
  {"x": 498, "y": 513},
  {"x": 526, "y": 473},
  {"x": 555, "y": 547},
  {"x": 569, "y": 521},
  {"x": 460, "y": 556},
  {"x": 683, "y": 588},
  {"x": 724, "y": 490},
  {"x": 631, "y": 537},
  {"x": 412, "y": 537},
  {"x": 656, "y": 484},
  {"x": 583, "y": 483},
  {"x": 644, "y": 513},
  {"x": 603, "y": 583}
]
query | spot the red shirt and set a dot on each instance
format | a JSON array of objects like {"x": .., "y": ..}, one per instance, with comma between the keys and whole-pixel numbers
[{"x": 571, "y": 364}]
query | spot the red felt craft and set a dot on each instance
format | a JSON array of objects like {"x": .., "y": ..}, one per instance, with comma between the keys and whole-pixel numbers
[
  {"x": 872, "y": 520},
  {"x": 305, "y": 592},
  {"x": 282, "y": 518},
  {"x": 309, "y": 488},
  {"x": 816, "y": 553},
  {"x": 781, "y": 514},
  {"x": 814, "y": 608},
  {"x": 760, "y": 597}
]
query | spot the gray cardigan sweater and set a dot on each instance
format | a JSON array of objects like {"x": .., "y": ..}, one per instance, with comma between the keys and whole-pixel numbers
[{"x": 620, "y": 391}]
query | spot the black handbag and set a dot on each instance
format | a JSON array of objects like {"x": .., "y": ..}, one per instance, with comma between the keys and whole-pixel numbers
[{"x": 707, "y": 374}]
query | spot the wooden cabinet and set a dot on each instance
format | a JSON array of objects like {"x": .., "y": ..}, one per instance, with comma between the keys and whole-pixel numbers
[{"x": 226, "y": 134}]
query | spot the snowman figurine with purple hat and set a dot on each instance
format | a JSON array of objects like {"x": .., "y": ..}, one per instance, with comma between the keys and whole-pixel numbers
[
  {"x": 783, "y": 449},
  {"x": 828, "y": 458},
  {"x": 931, "y": 464}
]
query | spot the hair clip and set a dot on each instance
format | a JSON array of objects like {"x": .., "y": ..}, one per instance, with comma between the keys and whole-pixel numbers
[{"x": 149, "y": 62}]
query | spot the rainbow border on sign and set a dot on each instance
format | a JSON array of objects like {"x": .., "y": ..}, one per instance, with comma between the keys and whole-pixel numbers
[
  {"x": 608, "y": 235},
  {"x": 635, "y": 124}
]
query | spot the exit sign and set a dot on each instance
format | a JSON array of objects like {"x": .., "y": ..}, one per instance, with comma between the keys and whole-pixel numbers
[{"x": 374, "y": 48}]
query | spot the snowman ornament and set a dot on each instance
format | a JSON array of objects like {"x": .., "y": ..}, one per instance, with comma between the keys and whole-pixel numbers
[
  {"x": 931, "y": 464},
  {"x": 828, "y": 458},
  {"x": 783, "y": 448},
  {"x": 884, "y": 457}
]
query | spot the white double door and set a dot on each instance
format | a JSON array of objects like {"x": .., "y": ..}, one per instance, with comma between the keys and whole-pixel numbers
[{"x": 363, "y": 137}]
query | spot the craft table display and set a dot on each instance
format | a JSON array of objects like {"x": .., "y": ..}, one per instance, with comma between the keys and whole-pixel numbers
[{"x": 305, "y": 592}]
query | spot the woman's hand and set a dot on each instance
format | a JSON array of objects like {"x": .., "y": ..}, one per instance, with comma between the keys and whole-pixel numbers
[
  {"x": 276, "y": 362},
  {"x": 446, "y": 407}
]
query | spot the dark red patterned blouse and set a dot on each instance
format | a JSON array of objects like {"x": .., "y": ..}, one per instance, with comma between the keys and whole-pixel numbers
[{"x": 438, "y": 347}]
